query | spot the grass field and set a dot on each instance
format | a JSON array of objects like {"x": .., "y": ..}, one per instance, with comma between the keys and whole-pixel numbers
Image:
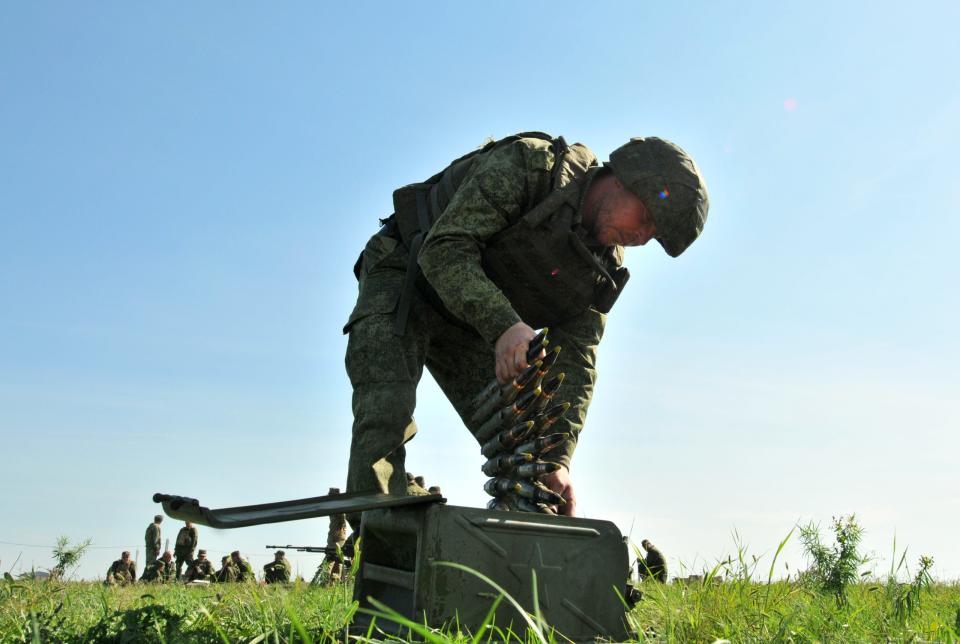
[{"x": 735, "y": 610}]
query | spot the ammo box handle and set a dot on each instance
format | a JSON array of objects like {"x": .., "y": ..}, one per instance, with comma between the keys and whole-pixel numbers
[{"x": 530, "y": 526}]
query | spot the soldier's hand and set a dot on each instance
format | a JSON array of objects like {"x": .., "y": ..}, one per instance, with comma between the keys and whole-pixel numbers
[
  {"x": 511, "y": 351},
  {"x": 561, "y": 483}
]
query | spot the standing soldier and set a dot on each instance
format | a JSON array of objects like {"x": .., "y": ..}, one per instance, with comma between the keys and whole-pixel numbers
[
  {"x": 525, "y": 233},
  {"x": 654, "y": 566},
  {"x": 152, "y": 539},
  {"x": 161, "y": 570},
  {"x": 244, "y": 571},
  {"x": 331, "y": 568},
  {"x": 279, "y": 570},
  {"x": 186, "y": 543},
  {"x": 201, "y": 569},
  {"x": 122, "y": 572}
]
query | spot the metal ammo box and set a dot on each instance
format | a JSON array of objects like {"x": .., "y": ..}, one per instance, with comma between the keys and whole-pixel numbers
[{"x": 428, "y": 560}]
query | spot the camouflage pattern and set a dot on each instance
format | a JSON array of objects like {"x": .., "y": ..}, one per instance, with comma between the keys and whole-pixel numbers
[
  {"x": 201, "y": 570},
  {"x": 186, "y": 543},
  {"x": 121, "y": 573},
  {"x": 227, "y": 572},
  {"x": 385, "y": 369},
  {"x": 152, "y": 541},
  {"x": 669, "y": 184},
  {"x": 242, "y": 567},
  {"x": 159, "y": 571},
  {"x": 278, "y": 571}
]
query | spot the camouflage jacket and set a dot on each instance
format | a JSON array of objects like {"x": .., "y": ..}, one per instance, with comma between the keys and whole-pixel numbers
[
  {"x": 201, "y": 570},
  {"x": 121, "y": 572},
  {"x": 186, "y": 543},
  {"x": 244, "y": 571},
  {"x": 152, "y": 537},
  {"x": 278, "y": 571},
  {"x": 159, "y": 571}
]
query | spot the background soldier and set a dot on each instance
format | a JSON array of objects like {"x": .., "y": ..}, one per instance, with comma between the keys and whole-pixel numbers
[
  {"x": 244, "y": 571},
  {"x": 186, "y": 543},
  {"x": 444, "y": 296},
  {"x": 201, "y": 569},
  {"x": 152, "y": 539},
  {"x": 122, "y": 572},
  {"x": 227, "y": 572},
  {"x": 434, "y": 489},
  {"x": 331, "y": 568},
  {"x": 279, "y": 570},
  {"x": 654, "y": 566},
  {"x": 160, "y": 570}
]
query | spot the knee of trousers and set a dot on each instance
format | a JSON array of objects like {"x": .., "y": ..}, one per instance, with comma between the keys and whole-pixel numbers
[{"x": 383, "y": 413}]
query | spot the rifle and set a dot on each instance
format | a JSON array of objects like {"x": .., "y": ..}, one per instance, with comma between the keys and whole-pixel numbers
[{"x": 340, "y": 554}]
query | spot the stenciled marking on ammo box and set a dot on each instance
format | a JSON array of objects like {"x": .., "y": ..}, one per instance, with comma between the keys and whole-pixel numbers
[{"x": 521, "y": 570}]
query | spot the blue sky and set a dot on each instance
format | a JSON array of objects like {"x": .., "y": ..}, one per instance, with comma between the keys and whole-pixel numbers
[{"x": 183, "y": 192}]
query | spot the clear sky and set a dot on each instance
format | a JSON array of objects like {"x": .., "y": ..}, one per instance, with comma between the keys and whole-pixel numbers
[{"x": 184, "y": 190}]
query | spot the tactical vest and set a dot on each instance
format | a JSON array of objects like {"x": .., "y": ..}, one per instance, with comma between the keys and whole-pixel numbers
[{"x": 540, "y": 261}]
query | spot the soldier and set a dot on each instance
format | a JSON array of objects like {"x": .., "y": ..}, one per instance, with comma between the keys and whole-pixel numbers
[
  {"x": 227, "y": 572},
  {"x": 152, "y": 539},
  {"x": 527, "y": 232},
  {"x": 434, "y": 489},
  {"x": 279, "y": 570},
  {"x": 160, "y": 570},
  {"x": 186, "y": 543},
  {"x": 654, "y": 566},
  {"x": 244, "y": 572},
  {"x": 201, "y": 569},
  {"x": 331, "y": 568},
  {"x": 122, "y": 572}
]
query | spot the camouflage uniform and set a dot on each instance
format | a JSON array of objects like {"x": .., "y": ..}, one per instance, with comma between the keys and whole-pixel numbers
[
  {"x": 385, "y": 368},
  {"x": 654, "y": 566},
  {"x": 159, "y": 571},
  {"x": 332, "y": 568},
  {"x": 186, "y": 543},
  {"x": 152, "y": 540},
  {"x": 278, "y": 571},
  {"x": 242, "y": 569},
  {"x": 227, "y": 572},
  {"x": 201, "y": 569},
  {"x": 121, "y": 573}
]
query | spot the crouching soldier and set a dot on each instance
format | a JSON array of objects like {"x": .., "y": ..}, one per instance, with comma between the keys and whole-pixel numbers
[
  {"x": 122, "y": 572},
  {"x": 278, "y": 571},
  {"x": 244, "y": 571},
  {"x": 227, "y": 572},
  {"x": 161, "y": 570},
  {"x": 201, "y": 569}
]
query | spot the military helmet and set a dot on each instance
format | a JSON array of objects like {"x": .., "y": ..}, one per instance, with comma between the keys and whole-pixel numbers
[{"x": 670, "y": 185}]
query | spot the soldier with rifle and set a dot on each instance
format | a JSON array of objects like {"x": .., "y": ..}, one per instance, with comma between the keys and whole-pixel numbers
[
  {"x": 526, "y": 232},
  {"x": 160, "y": 570},
  {"x": 201, "y": 569}
]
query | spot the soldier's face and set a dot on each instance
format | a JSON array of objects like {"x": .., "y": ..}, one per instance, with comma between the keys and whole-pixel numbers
[{"x": 621, "y": 218}]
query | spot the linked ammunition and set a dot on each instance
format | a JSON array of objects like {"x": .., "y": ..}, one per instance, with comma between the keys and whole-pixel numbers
[
  {"x": 507, "y": 439},
  {"x": 539, "y": 446},
  {"x": 536, "y": 345},
  {"x": 504, "y": 503},
  {"x": 548, "y": 389},
  {"x": 525, "y": 470},
  {"x": 508, "y": 392},
  {"x": 500, "y": 486},
  {"x": 505, "y": 463},
  {"x": 548, "y": 418},
  {"x": 506, "y": 415},
  {"x": 536, "y": 493},
  {"x": 526, "y": 505}
]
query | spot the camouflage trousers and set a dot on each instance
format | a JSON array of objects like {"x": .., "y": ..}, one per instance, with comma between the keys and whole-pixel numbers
[{"x": 385, "y": 368}]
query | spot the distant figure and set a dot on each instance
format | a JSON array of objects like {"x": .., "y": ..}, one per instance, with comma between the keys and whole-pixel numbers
[
  {"x": 122, "y": 572},
  {"x": 655, "y": 565},
  {"x": 152, "y": 539},
  {"x": 242, "y": 566},
  {"x": 160, "y": 570},
  {"x": 415, "y": 485},
  {"x": 331, "y": 568},
  {"x": 227, "y": 572},
  {"x": 435, "y": 489},
  {"x": 279, "y": 570},
  {"x": 186, "y": 543},
  {"x": 201, "y": 569}
]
